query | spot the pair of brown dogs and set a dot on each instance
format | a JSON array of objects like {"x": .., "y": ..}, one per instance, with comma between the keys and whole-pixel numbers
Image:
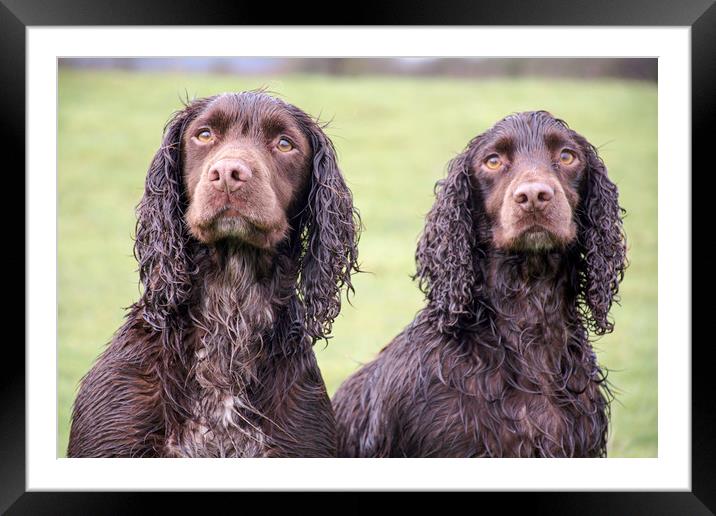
[{"x": 246, "y": 237}]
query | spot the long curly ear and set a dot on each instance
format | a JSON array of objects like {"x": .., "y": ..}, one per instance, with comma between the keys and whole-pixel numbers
[
  {"x": 602, "y": 243},
  {"x": 162, "y": 240},
  {"x": 450, "y": 251},
  {"x": 329, "y": 230}
]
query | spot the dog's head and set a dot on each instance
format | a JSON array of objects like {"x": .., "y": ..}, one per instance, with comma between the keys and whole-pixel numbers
[
  {"x": 529, "y": 168},
  {"x": 250, "y": 168},
  {"x": 529, "y": 184}
]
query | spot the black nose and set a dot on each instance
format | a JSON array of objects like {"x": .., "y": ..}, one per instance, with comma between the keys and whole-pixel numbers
[
  {"x": 227, "y": 175},
  {"x": 533, "y": 196}
]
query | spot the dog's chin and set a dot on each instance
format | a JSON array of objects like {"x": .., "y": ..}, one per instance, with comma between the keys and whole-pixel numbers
[
  {"x": 536, "y": 239},
  {"x": 232, "y": 226}
]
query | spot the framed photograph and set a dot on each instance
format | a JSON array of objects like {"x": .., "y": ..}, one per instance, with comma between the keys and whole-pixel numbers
[{"x": 430, "y": 242}]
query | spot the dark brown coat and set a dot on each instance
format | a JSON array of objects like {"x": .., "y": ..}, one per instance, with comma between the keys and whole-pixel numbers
[
  {"x": 522, "y": 254},
  {"x": 245, "y": 237}
]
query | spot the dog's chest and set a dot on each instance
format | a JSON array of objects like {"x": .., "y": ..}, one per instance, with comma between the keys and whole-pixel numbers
[
  {"x": 508, "y": 409},
  {"x": 541, "y": 380},
  {"x": 526, "y": 390},
  {"x": 223, "y": 421},
  {"x": 502, "y": 421}
]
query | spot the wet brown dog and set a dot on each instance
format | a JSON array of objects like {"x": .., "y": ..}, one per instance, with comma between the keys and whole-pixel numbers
[
  {"x": 245, "y": 236},
  {"x": 521, "y": 254}
]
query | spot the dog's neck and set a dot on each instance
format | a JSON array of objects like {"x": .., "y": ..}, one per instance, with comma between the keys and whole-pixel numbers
[
  {"x": 531, "y": 299},
  {"x": 242, "y": 290},
  {"x": 234, "y": 262},
  {"x": 535, "y": 322},
  {"x": 235, "y": 307}
]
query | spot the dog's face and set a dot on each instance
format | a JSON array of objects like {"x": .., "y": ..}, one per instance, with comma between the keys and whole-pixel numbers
[
  {"x": 246, "y": 163},
  {"x": 528, "y": 168}
]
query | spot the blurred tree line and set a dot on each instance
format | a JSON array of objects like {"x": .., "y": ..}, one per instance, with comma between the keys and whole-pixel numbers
[
  {"x": 627, "y": 68},
  {"x": 645, "y": 69}
]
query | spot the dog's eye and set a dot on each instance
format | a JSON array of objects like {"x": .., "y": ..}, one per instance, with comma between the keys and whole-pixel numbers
[
  {"x": 284, "y": 145},
  {"x": 566, "y": 157},
  {"x": 204, "y": 135},
  {"x": 493, "y": 162}
]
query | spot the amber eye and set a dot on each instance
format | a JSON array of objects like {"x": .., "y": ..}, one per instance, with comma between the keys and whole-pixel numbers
[
  {"x": 566, "y": 157},
  {"x": 284, "y": 145},
  {"x": 493, "y": 162},
  {"x": 204, "y": 136}
]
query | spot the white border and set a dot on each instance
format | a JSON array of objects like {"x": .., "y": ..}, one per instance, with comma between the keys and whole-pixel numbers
[{"x": 670, "y": 471}]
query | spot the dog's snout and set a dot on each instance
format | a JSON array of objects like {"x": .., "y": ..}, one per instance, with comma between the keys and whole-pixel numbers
[
  {"x": 227, "y": 175},
  {"x": 533, "y": 195}
]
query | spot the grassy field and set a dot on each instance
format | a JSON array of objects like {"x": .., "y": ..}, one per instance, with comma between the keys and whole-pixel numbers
[{"x": 394, "y": 137}]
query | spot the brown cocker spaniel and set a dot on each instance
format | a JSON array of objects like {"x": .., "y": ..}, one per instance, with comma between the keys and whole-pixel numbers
[
  {"x": 521, "y": 255},
  {"x": 245, "y": 237}
]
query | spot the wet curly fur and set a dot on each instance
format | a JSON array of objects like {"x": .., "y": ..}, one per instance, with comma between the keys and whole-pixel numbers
[
  {"x": 216, "y": 357},
  {"x": 499, "y": 362}
]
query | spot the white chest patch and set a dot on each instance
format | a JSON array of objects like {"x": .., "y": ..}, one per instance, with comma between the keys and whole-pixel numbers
[{"x": 222, "y": 424}]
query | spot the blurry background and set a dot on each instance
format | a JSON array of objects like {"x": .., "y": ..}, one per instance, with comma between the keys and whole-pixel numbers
[{"x": 395, "y": 124}]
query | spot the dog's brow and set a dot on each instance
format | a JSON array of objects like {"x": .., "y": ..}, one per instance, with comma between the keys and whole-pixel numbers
[
  {"x": 554, "y": 140},
  {"x": 216, "y": 118},
  {"x": 504, "y": 144},
  {"x": 275, "y": 123}
]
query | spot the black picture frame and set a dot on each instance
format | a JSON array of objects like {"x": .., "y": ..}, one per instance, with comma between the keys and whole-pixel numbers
[{"x": 700, "y": 15}]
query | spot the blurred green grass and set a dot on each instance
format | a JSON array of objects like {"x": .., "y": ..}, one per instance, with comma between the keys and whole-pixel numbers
[{"x": 394, "y": 137}]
